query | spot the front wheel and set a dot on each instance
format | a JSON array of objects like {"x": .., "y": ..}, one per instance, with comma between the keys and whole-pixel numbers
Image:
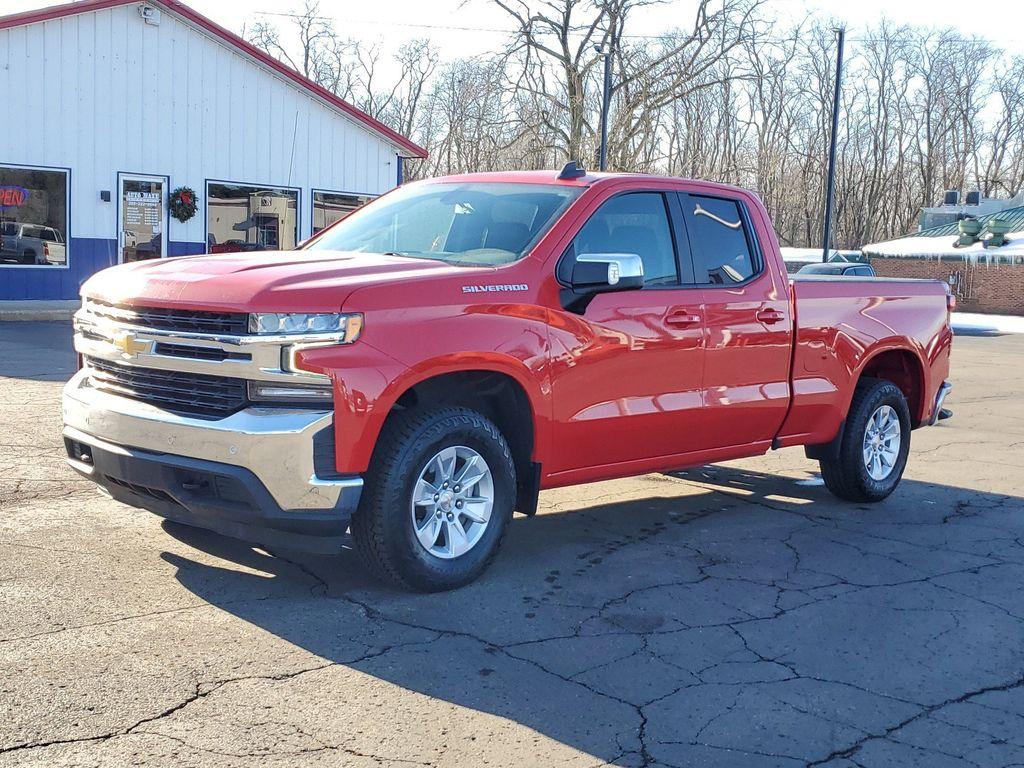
[
  {"x": 437, "y": 500},
  {"x": 876, "y": 442}
]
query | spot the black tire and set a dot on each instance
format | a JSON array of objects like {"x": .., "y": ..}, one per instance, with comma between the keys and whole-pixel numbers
[
  {"x": 28, "y": 257},
  {"x": 382, "y": 527},
  {"x": 847, "y": 476}
]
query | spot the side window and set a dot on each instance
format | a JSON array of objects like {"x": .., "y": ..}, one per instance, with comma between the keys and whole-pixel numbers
[
  {"x": 718, "y": 237},
  {"x": 633, "y": 223}
]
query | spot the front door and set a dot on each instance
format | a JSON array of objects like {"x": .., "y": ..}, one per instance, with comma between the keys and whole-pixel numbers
[
  {"x": 627, "y": 372},
  {"x": 142, "y": 217}
]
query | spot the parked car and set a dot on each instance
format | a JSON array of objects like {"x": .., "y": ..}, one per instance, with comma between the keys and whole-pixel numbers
[
  {"x": 794, "y": 258},
  {"x": 235, "y": 246},
  {"x": 427, "y": 365},
  {"x": 838, "y": 269},
  {"x": 31, "y": 243}
]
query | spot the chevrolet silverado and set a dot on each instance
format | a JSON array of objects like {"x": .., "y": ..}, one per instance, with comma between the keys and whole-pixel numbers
[{"x": 415, "y": 373}]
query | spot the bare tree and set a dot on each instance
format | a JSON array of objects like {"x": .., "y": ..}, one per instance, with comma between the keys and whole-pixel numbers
[
  {"x": 732, "y": 96},
  {"x": 314, "y": 32}
]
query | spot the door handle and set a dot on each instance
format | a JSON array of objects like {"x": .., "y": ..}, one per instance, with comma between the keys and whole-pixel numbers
[
  {"x": 769, "y": 316},
  {"x": 682, "y": 319}
]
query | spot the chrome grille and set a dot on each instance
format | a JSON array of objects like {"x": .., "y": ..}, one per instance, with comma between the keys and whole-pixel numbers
[
  {"x": 182, "y": 320},
  {"x": 193, "y": 394}
]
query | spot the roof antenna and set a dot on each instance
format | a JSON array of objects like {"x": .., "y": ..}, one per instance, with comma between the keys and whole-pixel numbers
[{"x": 572, "y": 170}]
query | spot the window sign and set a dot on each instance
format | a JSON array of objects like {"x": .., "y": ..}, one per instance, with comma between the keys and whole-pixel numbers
[
  {"x": 329, "y": 207},
  {"x": 244, "y": 217},
  {"x": 33, "y": 217},
  {"x": 12, "y": 197},
  {"x": 143, "y": 212}
]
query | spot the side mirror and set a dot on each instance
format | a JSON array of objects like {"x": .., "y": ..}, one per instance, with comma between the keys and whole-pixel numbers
[
  {"x": 594, "y": 273},
  {"x": 605, "y": 272}
]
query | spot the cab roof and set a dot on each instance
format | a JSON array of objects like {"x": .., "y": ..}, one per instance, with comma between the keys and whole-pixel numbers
[{"x": 590, "y": 178}]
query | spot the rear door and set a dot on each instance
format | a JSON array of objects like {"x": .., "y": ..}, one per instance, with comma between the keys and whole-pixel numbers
[
  {"x": 748, "y": 329},
  {"x": 626, "y": 372}
]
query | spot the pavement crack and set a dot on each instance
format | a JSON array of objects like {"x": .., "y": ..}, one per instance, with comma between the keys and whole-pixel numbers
[{"x": 853, "y": 749}]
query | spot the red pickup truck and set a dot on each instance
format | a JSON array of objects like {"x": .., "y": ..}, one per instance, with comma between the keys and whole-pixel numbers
[{"x": 424, "y": 367}]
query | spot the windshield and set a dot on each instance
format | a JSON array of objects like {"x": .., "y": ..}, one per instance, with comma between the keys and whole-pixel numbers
[{"x": 475, "y": 224}]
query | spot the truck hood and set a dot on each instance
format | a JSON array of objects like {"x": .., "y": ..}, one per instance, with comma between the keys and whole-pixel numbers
[{"x": 264, "y": 281}]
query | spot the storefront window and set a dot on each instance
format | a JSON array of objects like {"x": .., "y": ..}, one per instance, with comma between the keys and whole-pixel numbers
[
  {"x": 329, "y": 207},
  {"x": 243, "y": 217},
  {"x": 33, "y": 217}
]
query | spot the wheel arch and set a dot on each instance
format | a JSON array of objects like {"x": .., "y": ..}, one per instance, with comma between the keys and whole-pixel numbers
[
  {"x": 897, "y": 363},
  {"x": 506, "y": 392},
  {"x": 902, "y": 366}
]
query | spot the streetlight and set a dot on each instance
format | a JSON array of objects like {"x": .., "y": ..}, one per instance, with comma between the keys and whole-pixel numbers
[
  {"x": 830, "y": 183},
  {"x": 605, "y": 102}
]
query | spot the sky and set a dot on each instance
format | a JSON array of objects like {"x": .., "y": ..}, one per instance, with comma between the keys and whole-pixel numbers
[{"x": 446, "y": 21}]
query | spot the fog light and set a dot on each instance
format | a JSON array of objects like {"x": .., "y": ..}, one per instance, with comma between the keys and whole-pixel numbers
[{"x": 272, "y": 392}]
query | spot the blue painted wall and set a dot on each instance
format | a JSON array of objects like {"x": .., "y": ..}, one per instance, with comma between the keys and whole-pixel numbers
[
  {"x": 185, "y": 249},
  {"x": 86, "y": 255}
]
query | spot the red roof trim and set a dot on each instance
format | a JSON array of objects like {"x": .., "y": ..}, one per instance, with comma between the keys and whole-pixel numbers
[{"x": 180, "y": 9}]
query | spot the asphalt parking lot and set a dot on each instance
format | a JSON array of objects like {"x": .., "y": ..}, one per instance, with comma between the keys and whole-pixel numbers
[{"x": 734, "y": 615}]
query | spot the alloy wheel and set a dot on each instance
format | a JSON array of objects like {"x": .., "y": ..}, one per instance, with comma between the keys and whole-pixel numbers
[
  {"x": 452, "y": 502},
  {"x": 881, "y": 447}
]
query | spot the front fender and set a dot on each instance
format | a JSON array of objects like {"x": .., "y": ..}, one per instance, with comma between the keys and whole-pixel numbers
[{"x": 368, "y": 382}]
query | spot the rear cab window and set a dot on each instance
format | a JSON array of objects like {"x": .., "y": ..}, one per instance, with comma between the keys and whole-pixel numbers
[{"x": 723, "y": 247}]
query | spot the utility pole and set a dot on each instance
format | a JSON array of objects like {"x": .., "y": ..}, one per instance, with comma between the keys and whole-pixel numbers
[
  {"x": 831, "y": 183},
  {"x": 605, "y": 102}
]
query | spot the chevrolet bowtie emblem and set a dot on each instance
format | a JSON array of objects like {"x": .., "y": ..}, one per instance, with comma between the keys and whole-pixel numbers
[{"x": 128, "y": 344}]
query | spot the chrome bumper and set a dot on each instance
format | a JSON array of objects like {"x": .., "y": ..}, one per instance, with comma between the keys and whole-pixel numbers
[
  {"x": 275, "y": 444},
  {"x": 940, "y": 398}
]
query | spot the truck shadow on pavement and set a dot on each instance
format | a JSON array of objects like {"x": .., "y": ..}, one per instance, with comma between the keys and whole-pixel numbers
[{"x": 739, "y": 619}]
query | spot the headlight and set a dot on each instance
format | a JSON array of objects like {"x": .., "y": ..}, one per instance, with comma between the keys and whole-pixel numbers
[
  {"x": 272, "y": 392},
  {"x": 291, "y": 323}
]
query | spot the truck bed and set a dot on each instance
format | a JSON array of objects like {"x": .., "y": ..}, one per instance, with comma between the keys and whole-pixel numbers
[{"x": 843, "y": 324}]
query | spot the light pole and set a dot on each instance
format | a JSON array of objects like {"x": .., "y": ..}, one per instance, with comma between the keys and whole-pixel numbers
[
  {"x": 830, "y": 183},
  {"x": 605, "y": 101}
]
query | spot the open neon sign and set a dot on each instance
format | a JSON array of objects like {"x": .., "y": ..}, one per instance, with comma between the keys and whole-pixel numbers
[{"x": 12, "y": 197}]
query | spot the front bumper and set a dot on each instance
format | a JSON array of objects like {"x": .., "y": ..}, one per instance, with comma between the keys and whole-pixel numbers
[{"x": 262, "y": 474}]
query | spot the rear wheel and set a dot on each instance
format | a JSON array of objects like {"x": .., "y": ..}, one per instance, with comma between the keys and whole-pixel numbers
[
  {"x": 876, "y": 442},
  {"x": 437, "y": 501}
]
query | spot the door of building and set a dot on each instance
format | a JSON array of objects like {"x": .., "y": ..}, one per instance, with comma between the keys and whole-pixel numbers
[{"x": 142, "y": 217}]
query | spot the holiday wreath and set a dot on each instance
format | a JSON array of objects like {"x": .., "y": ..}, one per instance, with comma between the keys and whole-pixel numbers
[{"x": 183, "y": 203}]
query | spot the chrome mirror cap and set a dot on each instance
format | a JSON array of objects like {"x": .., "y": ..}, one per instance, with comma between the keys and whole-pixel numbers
[{"x": 620, "y": 271}]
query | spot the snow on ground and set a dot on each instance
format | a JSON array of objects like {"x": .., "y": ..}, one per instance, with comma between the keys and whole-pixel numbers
[{"x": 971, "y": 322}]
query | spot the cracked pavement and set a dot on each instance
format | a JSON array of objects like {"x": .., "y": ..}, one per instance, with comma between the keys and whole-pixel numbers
[{"x": 734, "y": 615}]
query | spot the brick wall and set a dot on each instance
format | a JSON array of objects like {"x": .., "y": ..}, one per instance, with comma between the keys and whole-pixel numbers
[{"x": 993, "y": 288}]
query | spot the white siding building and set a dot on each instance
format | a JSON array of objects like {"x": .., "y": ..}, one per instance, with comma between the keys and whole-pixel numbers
[{"x": 111, "y": 105}]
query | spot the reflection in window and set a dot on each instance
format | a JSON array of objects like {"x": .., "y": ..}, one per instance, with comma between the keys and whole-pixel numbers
[
  {"x": 33, "y": 217},
  {"x": 721, "y": 253},
  {"x": 242, "y": 217},
  {"x": 329, "y": 207},
  {"x": 634, "y": 223},
  {"x": 459, "y": 223}
]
